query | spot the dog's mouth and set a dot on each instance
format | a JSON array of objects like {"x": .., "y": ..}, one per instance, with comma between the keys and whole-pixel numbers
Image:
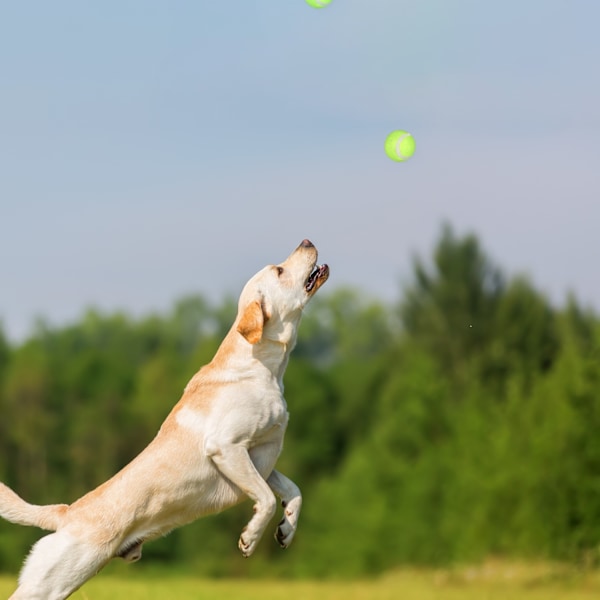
[{"x": 318, "y": 276}]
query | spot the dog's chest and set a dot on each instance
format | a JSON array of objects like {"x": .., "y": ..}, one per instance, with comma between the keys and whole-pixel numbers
[
  {"x": 253, "y": 415},
  {"x": 262, "y": 419}
]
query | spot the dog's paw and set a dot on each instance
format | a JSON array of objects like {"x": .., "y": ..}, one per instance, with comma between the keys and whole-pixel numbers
[
  {"x": 132, "y": 553},
  {"x": 246, "y": 545},
  {"x": 284, "y": 534}
]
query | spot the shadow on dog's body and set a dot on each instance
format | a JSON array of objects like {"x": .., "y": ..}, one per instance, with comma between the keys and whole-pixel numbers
[{"x": 218, "y": 446}]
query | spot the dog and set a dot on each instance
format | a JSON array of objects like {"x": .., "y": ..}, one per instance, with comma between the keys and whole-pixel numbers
[{"x": 218, "y": 446}]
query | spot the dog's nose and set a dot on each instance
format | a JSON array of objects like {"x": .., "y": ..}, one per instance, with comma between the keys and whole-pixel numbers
[{"x": 307, "y": 244}]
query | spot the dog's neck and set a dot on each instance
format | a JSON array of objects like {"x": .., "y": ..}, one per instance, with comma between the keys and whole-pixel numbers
[
  {"x": 271, "y": 355},
  {"x": 274, "y": 355}
]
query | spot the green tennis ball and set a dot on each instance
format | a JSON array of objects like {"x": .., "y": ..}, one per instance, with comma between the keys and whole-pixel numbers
[
  {"x": 318, "y": 3},
  {"x": 400, "y": 145}
]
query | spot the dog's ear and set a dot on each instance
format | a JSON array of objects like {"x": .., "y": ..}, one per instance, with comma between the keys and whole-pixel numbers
[{"x": 252, "y": 321}]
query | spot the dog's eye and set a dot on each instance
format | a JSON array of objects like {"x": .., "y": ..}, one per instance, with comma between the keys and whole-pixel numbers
[{"x": 279, "y": 271}]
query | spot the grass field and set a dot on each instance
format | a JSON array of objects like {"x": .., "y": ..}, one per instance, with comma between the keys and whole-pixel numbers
[{"x": 492, "y": 581}]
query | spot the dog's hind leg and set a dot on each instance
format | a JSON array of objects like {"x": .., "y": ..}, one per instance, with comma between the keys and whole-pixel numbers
[
  {"x": 58, "y": 565},
  {"x": 291, "y": 500}
]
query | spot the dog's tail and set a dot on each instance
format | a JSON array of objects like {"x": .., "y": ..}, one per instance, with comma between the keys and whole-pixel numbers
[{"x": 14, "y": 509}]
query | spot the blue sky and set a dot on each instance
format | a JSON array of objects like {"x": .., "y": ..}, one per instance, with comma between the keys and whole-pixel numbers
[{"x": 150, "y": 149}]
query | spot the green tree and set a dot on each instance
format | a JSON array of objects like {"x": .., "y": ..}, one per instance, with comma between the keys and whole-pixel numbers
[
  {"x": 460, "y": 423},
  {"x": 449, "y": 308}
]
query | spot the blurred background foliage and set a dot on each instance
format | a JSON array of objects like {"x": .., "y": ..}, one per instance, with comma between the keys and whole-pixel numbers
[{"x": 459, "y": 422}]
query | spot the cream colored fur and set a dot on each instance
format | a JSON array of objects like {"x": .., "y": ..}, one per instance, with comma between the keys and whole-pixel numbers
[{"x": 218, "y": 446}]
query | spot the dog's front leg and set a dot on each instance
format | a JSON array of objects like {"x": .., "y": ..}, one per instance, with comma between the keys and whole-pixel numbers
[
  {"x": 291, "y": 500},
  {"x": 234, "y": 462}
]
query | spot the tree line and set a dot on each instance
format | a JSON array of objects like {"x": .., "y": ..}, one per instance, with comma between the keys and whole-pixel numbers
[{"x": 459, "y": 422}]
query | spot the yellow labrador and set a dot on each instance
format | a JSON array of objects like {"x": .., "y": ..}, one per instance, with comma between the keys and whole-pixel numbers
[{"x": 218, "y": 446}]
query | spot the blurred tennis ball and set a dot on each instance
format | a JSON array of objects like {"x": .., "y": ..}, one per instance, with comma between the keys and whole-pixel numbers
[
  {"x": 400, "y": 145},
  {"x": 318, "y": 3}
]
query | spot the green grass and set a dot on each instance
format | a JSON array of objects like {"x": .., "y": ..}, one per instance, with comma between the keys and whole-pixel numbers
[{"x": 492, "y": 581}]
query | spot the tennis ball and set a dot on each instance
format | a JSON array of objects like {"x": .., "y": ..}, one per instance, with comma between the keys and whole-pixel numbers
[
  {"x": 318, "y": 3},
  {"x": 400, "y": 145}
]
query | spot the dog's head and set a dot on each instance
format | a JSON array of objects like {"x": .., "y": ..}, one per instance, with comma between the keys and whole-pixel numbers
[{"x": 271, "y": 303}]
